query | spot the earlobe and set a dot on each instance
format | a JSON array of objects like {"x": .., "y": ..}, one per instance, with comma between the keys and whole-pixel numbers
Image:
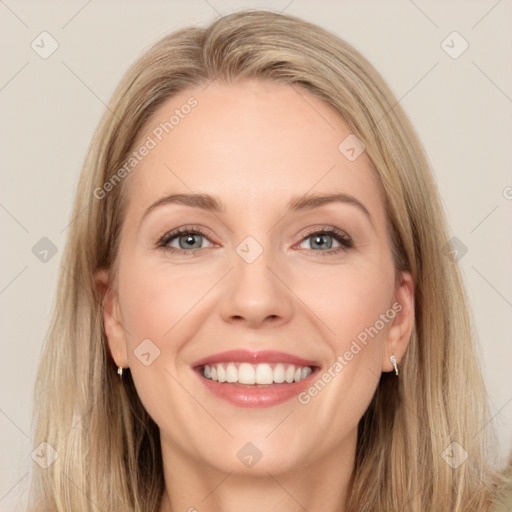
[
  {"x": 400, "y": 332},
  {"x": 112, "y": 320}
]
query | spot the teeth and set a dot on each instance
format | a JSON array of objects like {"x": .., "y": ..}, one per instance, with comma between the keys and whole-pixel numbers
[
  {"x": 264, "y": 374},
  {"x": 246, "y": 373},
  {"x": 279, "y": 373},
  {"x": 221, "y": 373},
  {"x": 231, "y": 373}
]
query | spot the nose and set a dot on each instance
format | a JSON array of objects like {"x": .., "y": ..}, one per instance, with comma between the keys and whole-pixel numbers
[{"x": 256, "y": 293}]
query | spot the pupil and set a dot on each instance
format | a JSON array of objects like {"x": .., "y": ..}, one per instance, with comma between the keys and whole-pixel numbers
[
  {"x": 189, "y": 240},
  {"x": 322, "y": 243}
]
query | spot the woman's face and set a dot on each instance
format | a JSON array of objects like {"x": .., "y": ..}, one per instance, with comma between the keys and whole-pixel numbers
[{"x": 311, "y": 286}]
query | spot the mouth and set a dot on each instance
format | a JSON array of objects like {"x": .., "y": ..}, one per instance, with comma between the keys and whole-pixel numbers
[
  {"x": 255, "y": 379},
  {"x": 261, "y": 375}
]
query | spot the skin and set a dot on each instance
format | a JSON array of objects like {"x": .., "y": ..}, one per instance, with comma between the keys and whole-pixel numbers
[{"x": 254, "y": 144}]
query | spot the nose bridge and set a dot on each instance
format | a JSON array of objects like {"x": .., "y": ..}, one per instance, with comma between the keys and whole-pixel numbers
[
  {"x": 255, "y": 292},
  {"x": 252, "y": 274}
]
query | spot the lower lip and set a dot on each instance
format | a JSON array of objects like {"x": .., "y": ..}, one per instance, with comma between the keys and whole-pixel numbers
[{"x": 244, "y": 395}]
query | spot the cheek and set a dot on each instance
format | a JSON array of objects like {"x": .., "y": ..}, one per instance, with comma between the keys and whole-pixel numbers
[
  {"x": 155, "y": 298},
  {"x": 169, "y": 303},
  {"x": 349, "y": 300},
  {"x": 158, "y": 304},
  {"x": 342, "y": 303},
  {"x": 355, "y": 302},
  {"x": 356, "y": 309}
]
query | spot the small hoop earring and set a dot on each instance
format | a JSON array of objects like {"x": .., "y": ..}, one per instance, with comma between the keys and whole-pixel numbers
[
  {"x": 393, "y": 360},
  {"x": 120, "y": 371}
]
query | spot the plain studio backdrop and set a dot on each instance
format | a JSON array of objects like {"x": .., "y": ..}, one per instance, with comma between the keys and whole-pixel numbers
[{"x": 447, "y": 63}]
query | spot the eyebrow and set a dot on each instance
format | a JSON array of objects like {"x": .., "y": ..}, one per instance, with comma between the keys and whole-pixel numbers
[{"x": 213, "y": 204}]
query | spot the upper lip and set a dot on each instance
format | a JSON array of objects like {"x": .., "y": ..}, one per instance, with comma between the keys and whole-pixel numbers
[{"x": 261, "y": 356}]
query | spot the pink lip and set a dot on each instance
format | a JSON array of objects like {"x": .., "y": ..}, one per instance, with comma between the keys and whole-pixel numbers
[
  {"x": 246, "y": 356},
  {"x": 243, "y": 395}
]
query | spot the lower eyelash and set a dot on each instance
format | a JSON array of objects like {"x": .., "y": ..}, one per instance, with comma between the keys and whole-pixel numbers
[{"x": 345, "y": 242}]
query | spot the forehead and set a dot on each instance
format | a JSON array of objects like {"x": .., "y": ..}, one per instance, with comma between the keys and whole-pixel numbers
[{"x": 253, "y": 144}]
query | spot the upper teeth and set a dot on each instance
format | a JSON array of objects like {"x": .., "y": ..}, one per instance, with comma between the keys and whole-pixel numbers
[{"x": 246, "y": 373}]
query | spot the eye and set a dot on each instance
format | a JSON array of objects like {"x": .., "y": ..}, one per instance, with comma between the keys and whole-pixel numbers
[
  {"x": 322, "y": 239},
  {"x": 188, "y": 240}
]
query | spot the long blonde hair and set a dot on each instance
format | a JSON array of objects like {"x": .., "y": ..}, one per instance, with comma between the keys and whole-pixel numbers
[{"x": 108, "y": 447}]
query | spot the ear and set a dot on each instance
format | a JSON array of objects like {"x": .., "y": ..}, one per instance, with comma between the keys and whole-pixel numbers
[
  {"x": 112, "y": 319},
  {"x": 400, "y": 332}
]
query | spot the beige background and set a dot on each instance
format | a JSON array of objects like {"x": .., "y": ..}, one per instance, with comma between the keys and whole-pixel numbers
[{"x": 460, "y": 107}]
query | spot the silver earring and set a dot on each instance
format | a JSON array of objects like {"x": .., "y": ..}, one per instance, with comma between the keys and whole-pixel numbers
[
  {"x": 120, "y": 371},
  {"x": 393, "y": 360}
]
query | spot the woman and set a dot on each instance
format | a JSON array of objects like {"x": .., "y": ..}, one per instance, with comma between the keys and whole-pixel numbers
[{"x": 256, "y": 309}]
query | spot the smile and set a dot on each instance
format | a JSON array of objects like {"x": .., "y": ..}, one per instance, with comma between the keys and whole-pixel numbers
[
  {"x": 265, "y": 373},
  {"x": 255, "y": 379}
]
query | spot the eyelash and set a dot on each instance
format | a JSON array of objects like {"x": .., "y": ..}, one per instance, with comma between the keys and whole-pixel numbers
[{"x": 344, "y": 240}]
